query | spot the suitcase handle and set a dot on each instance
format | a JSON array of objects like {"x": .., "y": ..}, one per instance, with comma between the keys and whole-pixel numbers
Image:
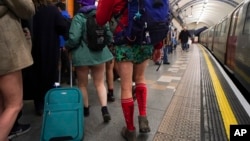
[
  {"x": 63, "y": 138},
  {"x": 71, "y": 70}
]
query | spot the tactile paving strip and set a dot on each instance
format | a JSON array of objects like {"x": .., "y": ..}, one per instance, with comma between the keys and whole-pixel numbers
[{"x": 181, "y": 121}]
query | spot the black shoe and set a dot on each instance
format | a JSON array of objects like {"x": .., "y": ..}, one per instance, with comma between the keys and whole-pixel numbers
[
  {"x": 111, "y": 97},
  {"x": 39, "y": 112},
  {"x": 167, "y": 63},
  {"x": 105, "y": 114},
  {"x": 19, "y": 129},
  {"x": 86, "y": 111}
]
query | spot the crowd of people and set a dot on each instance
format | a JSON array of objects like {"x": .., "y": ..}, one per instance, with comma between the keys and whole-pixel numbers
[{"x": 34, "y": 71}]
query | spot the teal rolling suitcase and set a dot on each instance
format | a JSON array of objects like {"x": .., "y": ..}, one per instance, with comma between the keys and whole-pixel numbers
[{"x": 63, "y": 115}]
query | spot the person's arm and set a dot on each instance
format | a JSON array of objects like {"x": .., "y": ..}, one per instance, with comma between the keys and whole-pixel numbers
[
  {"x": 104, "y": 11},
  {"x": 61, "y": 23},
  {"x": 75, "y": 32}
]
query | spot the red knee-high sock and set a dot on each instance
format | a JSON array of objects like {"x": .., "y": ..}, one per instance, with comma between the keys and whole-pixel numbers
[
  {"x": 128, "y": 112},
  {"x": 141, "y": 96}
]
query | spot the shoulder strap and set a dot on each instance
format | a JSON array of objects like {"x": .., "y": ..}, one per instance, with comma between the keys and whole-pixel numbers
[
  {"x": 118, "y": 15},
  {"x": 90, "y": 13}
]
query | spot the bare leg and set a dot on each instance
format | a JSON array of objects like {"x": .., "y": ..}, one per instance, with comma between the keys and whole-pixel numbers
[
  {"x": 11, "y": 101},
  {"x": 109, "y": 74},
  {"x": 82, "y": 77},
  {"x": 110, "y": 80},
  {"x": 125, "y": 72},
  {"x": 141, "y": 96},
  {"x": 139, "y": 72},
  {"x": 98, "y": 78}
]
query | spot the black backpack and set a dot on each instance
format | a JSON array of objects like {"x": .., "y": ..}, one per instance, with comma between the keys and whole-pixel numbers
[{"x": 96, "y": 35}]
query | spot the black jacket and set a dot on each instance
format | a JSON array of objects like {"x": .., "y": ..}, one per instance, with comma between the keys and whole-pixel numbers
[
  {"x": 47, "y": 25},
  {"x": 183, "y": 36}
]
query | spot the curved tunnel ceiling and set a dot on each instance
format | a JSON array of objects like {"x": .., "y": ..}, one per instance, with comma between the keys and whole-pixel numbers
[{"x": 202, "y": 12}]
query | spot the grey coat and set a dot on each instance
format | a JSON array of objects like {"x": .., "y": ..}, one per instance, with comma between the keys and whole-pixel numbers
[{"x": 15, "y": 52}]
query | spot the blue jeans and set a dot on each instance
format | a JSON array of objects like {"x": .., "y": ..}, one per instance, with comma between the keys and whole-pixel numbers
[
  {"x": 165, "y": 54},
  {"x": 170, "y": 48},
  {"x": 174, "y": 43},
  {"x": 184, "y": 46}
]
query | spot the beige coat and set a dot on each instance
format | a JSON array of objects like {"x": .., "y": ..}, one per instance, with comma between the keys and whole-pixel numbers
[{"x": 15, "y": 53}]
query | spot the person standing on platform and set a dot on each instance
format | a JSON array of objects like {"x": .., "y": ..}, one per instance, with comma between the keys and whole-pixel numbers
[
  {"x": 167, "y": 44},
  {"x": 131, "y": 61},
  {"x": 14, "y": 56},
  {"x": 183, "y": 37},
  {"x": 86, "y": 60},
  {"x": 174, "y": 38},
  {"x": 64, "y": 63},
  {"x": 48, "y": 24},
  {"x": 19, "y": 128}
]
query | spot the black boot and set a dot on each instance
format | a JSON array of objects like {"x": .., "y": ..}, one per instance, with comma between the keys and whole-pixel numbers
[
  {"x": 110, "y": 97},
  {"x": 105, "y": 114},
  {"x": 86, "y": 111}
]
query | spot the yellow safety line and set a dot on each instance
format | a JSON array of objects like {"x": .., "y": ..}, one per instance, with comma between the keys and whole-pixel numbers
[{"x": 225, "y": 108}]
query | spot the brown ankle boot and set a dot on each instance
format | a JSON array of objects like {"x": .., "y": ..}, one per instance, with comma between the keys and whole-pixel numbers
[
  {"x": 143, "y": 124},
  {"x": 128, "y": 135}
]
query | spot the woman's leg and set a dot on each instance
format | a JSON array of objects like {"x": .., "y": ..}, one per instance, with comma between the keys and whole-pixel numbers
[
  {"x": 98, "y": 78},
  {"x": 115, "y": 71},
  {"x": 82, "y": 77},
  {"x": 126, "y": 70},
  {"x": 97, "y": 73},
  {"x": 140, "y": 89},
  {"x": 110, "y": 80},
  {"x": 141, "y": 95},
  {"x": 11, "y": 101}
]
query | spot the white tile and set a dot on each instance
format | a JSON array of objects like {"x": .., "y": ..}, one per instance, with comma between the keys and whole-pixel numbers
[
  {"x": 171, "y": 87},
  {"x": 179, "y": 62},
  {"x": 168, "y": 78},
  {"x": 173, "y": 69},
  {"x": 175, "y": 66}
]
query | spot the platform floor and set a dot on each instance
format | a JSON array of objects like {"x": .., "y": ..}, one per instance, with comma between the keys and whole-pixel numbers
[{"x": 182, "y": 105}]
